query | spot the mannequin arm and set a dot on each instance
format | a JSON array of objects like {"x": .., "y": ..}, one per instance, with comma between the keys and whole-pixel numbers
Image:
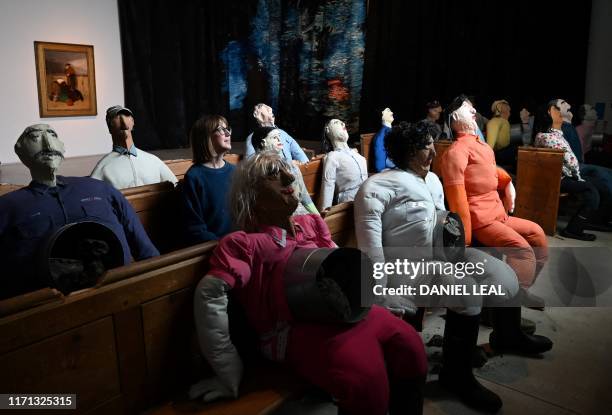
[
  {"x": 458, "y": 203},
  {"x": 212, "y": 325}
]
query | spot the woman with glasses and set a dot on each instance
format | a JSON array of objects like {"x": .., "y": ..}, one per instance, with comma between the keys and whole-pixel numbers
[{"x": 205, "y": 186}]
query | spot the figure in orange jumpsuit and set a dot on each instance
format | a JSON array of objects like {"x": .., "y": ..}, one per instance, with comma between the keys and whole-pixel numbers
[{"x": 473, "y": 183}]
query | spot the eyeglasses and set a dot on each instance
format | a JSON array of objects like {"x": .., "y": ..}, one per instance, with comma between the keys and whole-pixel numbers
[{"x": 225, "y": 131}]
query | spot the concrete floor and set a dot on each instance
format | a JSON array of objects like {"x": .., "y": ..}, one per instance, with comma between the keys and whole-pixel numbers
[{"x": 575, "y": 377}]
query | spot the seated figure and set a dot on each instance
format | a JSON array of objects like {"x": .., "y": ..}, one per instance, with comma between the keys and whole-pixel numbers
[
  {"x": 204, "y": 190},
  {"x": 596, "y": 199},
  {"x": 344, "y": 169},
  {"x": 433, "y": 118},
  {"x": 30, "y": 215},
  {"x": 264, "y": 116},
  {"x": 472, "y": 183},
  {"x": 498, "y": 134},
  {"x": 374, "y": 366},
  {"x": 397, "y": 216},
  {"x": 599, "y": 176},
  {"x": 128, "y": 166},
  {"x": 269, "y": 139},
  {"x": 381, "y": 161}
]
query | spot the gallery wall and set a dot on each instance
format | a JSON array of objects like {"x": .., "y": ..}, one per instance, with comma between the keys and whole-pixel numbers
[{"x": 90, "y": 22}]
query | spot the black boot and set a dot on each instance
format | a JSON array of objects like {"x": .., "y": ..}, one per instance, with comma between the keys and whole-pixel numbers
[
  {"x": 406, "y": 397},
  {"x": 508, "y": 337},
  {"x": 460, "y": 336}
]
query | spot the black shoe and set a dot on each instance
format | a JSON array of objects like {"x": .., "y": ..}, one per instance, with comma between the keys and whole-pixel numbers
[
  {"x": 507, "y": 336},
  {"x": 582, "y": 236},
  {"x": 460, "y": 336}
]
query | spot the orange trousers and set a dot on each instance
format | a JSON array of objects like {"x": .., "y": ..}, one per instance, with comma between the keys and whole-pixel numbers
[{"x": 522, "y": 241}]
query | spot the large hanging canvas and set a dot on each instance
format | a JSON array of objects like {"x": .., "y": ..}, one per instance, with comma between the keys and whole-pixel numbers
[
  {"x": 66, "y": 79},
  {"x": 303, "y": 58}
]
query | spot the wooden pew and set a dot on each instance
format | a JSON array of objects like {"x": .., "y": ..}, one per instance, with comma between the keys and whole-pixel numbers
[
  {"x": 180, "y": 166},
  {"x": 157, "y": 207},
  {"x": 7, "y": 188},
  {"x": 341, "y": 224},
  {"x": 537, "y": 186},
  {"x": 365, "y": 150},
  {"x": 313, "y": 172},
  {"x": 441, "y": 146},
  {"x": 121, "y": 347}
]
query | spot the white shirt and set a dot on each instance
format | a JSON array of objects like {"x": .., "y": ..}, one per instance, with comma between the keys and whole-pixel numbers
[
  {"x": 344, "y": 170},
  {"x": 398, "y": 208},
  {"x": 127, "y": 170}
]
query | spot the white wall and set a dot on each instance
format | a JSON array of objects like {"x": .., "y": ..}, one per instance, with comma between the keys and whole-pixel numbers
[
  {"x": 598, "y": 87},
  {"x": 88, "y": 22}
]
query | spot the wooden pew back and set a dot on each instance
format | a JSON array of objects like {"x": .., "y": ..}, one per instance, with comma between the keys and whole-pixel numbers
[
  {"x": 7, "y": 188},
  {"x": 121, "y": 347},
  {"x": 366, "y": 150},
  {"x": 157, "y": 207},
  {"x": 341, "y": 224},
  {"x": 537, "y": 186},
  {"x": 313, "y": 172}
]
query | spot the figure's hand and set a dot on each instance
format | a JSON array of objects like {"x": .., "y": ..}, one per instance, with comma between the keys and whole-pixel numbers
[
  {"x": 509, "y": 197},
  {"x": 387, "y": 117},
  {"x": 210, "y": 390},
  {"x": 325, "y": 211},
  {"x": 524, "y": 114}
]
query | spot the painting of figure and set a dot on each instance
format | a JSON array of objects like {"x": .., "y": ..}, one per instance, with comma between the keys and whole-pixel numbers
[{"x": 66, "y": 79}]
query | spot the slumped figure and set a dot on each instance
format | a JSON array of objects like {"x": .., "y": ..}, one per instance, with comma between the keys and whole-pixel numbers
[
  {"x": 372, "y": 367},
  {"x": 344, "y": 169}
]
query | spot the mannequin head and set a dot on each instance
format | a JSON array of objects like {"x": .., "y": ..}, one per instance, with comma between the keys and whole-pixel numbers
[
  {"x": 267, "y": 139},
  {"x": 210, "y": 138},
  {"x": 565, "y": 110},
  {"x": 411, "y": 146},
  {"x": 262, "y": 191},
  {"x": 40, "y": 150},
  {"x": 264, "y": 115},
  {"x": 120, "y": 122},
  {"x": 335, "y": 132},
  {"x": 387, "y": 117},
  {"x": 501, "y": 108},
  {"x": 462, "y": 115},
  {"x": 434, "y": 110}
]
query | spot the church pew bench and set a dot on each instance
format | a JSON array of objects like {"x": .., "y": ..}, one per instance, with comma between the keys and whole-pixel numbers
[
  {"x": 122, "y": 346},
  {"x": 157, "y": 207},
  {"x": 180, "y": 166},
  {"x": 340, "y": 221},
  {"x": 537, "y": 186},
  {"x": 366, "y": 151},
  {"x": 7, "y": 188},
  {"x": 312, "y": 173}
]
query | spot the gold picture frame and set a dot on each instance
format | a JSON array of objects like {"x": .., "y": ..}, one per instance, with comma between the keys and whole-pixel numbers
[{"x": 66, "y": 79}]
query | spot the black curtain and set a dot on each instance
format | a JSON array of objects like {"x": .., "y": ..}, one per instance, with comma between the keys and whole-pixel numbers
[
  {"x": 524, "y": 51},
  {"x": 172, "y": 73}
]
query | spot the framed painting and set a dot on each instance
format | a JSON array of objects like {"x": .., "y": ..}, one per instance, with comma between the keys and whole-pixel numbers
[{"x": 66, "y": 79}]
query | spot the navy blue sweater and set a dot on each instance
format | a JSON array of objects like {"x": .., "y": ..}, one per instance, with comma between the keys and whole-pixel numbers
[{"x": 205, "y": 196}]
